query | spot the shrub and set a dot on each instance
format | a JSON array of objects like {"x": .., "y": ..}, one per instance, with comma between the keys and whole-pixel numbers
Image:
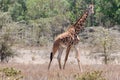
[
  {"x": 95, "y": 75},
  {"x": 5, "y": 48},
  {"x": 10, "y": 74}
]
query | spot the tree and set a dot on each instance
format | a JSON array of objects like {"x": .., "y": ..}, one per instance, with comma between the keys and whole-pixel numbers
[
  {"x": 104, "y": 43},
  {"x": 4, "y": 5},
  {"x": 45, "y": 8},
  {"x": 19, "y": 10},
  {"x": 107, "y": 12}
]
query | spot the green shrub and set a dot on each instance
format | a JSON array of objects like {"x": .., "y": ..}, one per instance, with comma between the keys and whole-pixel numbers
[
  {"x": 10, "y": 73},
  {"x": 95, "y": 75}
]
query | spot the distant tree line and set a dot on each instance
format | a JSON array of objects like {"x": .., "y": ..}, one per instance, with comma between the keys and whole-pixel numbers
[
  {"x": 107, "y": 12},
  {"x": 39, "y": 21}
]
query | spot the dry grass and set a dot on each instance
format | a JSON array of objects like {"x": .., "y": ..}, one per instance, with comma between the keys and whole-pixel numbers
[{"x": 40, "y": 72}]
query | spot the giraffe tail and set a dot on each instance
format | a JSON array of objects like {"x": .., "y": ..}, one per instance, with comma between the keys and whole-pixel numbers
[{"x": 51, "y": 56}]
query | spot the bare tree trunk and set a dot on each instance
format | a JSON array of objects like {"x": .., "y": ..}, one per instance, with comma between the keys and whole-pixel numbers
[{"x": 105, "y": 54}]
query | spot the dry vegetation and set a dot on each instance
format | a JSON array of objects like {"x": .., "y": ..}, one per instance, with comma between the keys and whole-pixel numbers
[{"x": 40, "y": 72}]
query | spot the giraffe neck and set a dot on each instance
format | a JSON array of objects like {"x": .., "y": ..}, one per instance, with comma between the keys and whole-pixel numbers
[{"x": 80, "y": 22}]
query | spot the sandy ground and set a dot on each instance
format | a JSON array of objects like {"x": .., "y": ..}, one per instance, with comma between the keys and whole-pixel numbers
[{"x": 41, "y": 56}]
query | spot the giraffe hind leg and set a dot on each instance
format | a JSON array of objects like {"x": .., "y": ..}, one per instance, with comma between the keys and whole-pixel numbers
[
  {"x": 55, "y": 48},
  {"x": 60, "y": 50}
]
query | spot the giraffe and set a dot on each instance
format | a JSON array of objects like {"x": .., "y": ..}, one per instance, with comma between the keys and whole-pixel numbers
[{"x": 70, "y": 39}]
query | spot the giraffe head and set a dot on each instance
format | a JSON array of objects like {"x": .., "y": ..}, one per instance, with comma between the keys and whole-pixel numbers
[{"x": 91, "y": 9}]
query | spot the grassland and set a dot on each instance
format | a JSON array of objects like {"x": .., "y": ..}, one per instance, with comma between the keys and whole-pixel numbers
[{"x": 40, "y": 72}]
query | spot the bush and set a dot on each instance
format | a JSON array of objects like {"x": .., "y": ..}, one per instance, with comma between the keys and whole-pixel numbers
[
  {"x": 5, "y": 48},
  {"x": 95, "y": 75},
  {"x": 10, "y": 74},
  {"x": 5, "y": 52}
]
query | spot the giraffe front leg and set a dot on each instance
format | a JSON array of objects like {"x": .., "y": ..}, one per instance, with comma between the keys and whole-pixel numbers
[
  {"x": 66, "y": 57},
  {"x": 60, "y": 50},
  {"x": 78, "y": 58}
]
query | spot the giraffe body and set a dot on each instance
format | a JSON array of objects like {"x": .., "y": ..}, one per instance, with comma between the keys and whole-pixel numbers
[{"x": 69, "y": 39}]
